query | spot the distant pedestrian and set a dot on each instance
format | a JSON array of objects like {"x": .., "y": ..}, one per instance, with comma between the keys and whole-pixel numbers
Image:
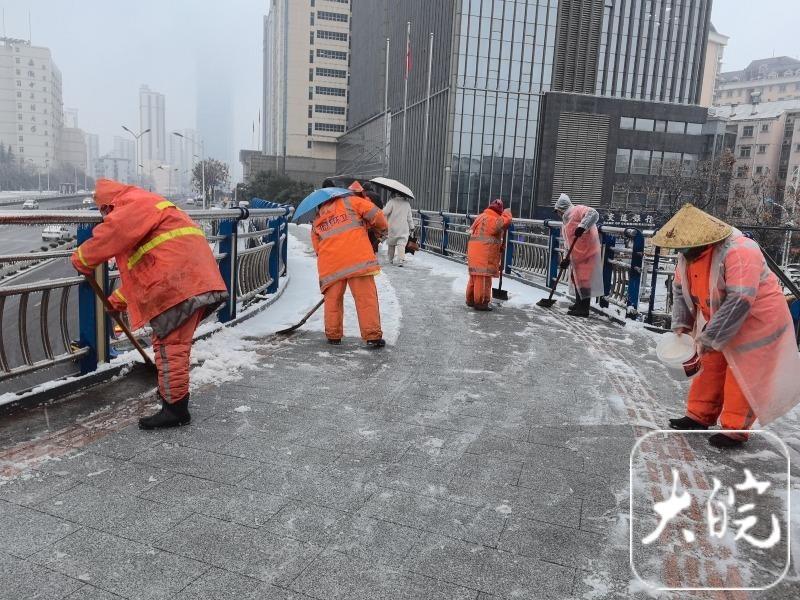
[
  {"x": 170, "y": 279},
  {"x": 729, "y": 301},
  {"x": 585, "y": 262},
  {"x": 345, "y": 258},
  {"x": 485, "y": 253},
  {"x": 401, "y": 224}
]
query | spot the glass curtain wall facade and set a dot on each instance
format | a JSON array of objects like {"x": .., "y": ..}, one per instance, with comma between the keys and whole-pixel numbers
[
  {"x": 653, "y": 49},
  {"x": 504, "y": 63},
  {"x": 492, "y": 62}
]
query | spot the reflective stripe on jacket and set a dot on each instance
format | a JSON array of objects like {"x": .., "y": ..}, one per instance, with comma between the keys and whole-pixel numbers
[
  {"x": 162, "y": 255},
  {"x": 485, "y": 246},
  {"x": 340, "y": 239},
  {"x": 749, "y": 323}
]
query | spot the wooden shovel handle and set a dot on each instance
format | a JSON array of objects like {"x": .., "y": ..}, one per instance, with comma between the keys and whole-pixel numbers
[{"x": 117, "y": 319}]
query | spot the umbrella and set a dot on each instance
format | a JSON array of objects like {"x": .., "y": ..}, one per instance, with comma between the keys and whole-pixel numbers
[
  {"x": 305, "y": 211},
  {"x": 393, "y": 186}
]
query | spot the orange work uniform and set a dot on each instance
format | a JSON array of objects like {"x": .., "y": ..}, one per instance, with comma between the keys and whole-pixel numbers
[
  {"x": 168, "y": 272},
  {"x": 714, "y": 393},
  {"x": 484, "y": 254},
  {"x": 345, "y": 258}
]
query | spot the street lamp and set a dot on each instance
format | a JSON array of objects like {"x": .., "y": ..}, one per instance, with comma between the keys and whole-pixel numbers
[
  {"x": 202, "y": 160},
  {"x": 137, "y": 137}
]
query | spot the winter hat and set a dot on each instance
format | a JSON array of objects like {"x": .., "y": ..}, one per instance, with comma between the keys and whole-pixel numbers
[
  {"x": 563, "y": 203},
  {"x": 497, "y": 206},
  {"x": 691, "y": 228}
]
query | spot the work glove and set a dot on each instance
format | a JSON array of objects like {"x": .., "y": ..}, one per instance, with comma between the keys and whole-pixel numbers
[
  {"x": 564, "y": 263},
  {"x": 579, "y": 232},
  {"x": 79, "y": 266}
]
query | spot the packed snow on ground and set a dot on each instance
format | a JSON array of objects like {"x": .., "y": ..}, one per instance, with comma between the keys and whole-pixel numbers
[
  {"x": 519, "y": 294},
  {"x": 303, "y": 293},
  {"x": 226, "y": 354}
]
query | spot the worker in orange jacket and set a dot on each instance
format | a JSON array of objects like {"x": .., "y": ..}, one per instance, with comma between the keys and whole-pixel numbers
[
  {"x": 726, "y": 297},
  {"x": 345, "y": 258},
  {"x": 484, "y": 253},
  {"x": 169, "y": 279}
]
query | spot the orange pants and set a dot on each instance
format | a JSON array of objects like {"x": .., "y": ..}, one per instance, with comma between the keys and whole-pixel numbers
[
  {"x": 172, "y": 358},
  {"x": 365, "y": 295},
  {"x": 479, "y": 290},
  {"x": 715, "y": 394}
]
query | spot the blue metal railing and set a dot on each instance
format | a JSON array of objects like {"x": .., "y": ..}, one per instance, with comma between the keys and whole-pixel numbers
[
  {"x": 250, "y": 246},
  {"x": 631, "y": 276}
]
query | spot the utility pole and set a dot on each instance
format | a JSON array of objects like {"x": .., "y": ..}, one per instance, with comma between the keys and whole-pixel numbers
[{"x": 387, "y": 117}]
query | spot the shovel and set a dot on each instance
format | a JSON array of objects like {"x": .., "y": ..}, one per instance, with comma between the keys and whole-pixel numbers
[
  {"x": 548, "y": 302},
  {"x": 301, "y": 323},
  {"x": 499, "y": 293},
  {"x": 151, "y": 367}
]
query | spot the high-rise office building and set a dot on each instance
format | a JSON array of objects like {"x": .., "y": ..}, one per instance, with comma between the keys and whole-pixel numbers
[
  {"x": 72, "y": 148},
  {"x": 124, "y": 148},
  {"x": 464, "y": 120},
  {"x": 303, "y": 117},
  {"x": 71, "y": 118},
  {"x": 153, "y": 146},
  {"x": 92, "y": 154},
  {"x": 182, "y": 152},
  {"x": 713, "y": 67},
  {"x": 31, "y": 108}
]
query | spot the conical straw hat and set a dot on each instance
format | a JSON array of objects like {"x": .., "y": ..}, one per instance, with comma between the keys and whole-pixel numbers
[{"x": 690, "y": 228}]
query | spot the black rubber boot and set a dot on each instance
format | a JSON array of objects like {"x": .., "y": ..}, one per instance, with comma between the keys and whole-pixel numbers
[
  {"x": 170, "y": 415},
  {"x": 483, "y": 307},
  {"x": 581, "y": 308},
  {"x": 334, "y": 342},
  {"x": 687, "y": 423},
  {"x": 375, "y": 344},
  {"x": 720, "y": 440}
]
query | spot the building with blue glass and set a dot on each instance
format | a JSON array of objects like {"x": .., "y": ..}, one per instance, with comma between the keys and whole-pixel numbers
[{"x": 449, "y": 96}]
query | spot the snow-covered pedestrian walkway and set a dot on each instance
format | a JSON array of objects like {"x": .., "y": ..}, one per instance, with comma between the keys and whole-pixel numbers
[{"x": 479, "y": 455}]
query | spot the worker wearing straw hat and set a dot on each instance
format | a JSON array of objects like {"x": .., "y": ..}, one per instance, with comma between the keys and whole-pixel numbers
[{"x": 726, "y": 297}]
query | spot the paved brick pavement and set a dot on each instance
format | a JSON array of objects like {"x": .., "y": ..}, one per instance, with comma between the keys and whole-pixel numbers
[{"x": 485, "y": 455}]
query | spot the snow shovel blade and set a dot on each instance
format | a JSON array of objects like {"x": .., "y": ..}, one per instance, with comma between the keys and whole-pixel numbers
[
  {"x": 293, "y": 328},
  {"x": 546, "y": 302},
  {"x": 140, "y": 369},
  {"x": 499, "y": 294}
]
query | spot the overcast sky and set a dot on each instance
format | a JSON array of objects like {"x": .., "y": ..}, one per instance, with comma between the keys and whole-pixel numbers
[
  {"x": 757, "y": 29},
  {"x": 107, "y": 48}
]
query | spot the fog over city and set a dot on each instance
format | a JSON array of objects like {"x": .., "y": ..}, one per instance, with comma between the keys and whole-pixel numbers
[{"x": 107, "y": 50}]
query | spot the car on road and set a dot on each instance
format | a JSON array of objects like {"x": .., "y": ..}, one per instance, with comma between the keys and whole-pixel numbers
[
  {"x": 88, "y": 201},
  {"x": 30, "y": 203},
  {"x": 191, "y": 202},
  {"x": 56, "y": 232}
]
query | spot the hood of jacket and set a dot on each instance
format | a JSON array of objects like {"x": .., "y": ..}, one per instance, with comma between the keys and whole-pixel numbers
[{"x": 108, "y": 192}]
